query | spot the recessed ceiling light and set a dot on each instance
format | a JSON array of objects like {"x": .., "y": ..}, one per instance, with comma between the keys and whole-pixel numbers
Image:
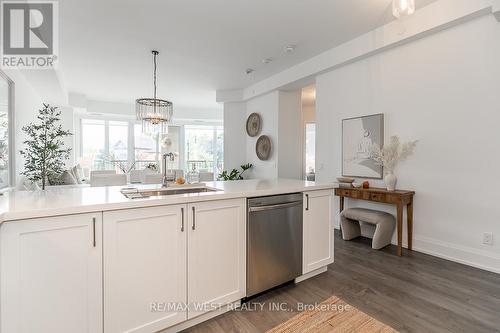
[
  {"x": 267, "y": 60},
  {"x": 249, "y": 71},
  {"x": 290, "y": 48}
]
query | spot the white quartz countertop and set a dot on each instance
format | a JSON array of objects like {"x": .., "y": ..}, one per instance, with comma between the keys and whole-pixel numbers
[{"x": 16, "y": 205}]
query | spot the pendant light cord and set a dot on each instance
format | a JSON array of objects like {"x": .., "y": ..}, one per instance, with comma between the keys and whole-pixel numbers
[
  {"x": 154, "y": 74},
  {"x": 155, "y": 53}
]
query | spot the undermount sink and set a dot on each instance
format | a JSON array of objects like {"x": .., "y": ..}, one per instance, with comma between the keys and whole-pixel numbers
[{"x": 145, "y": 193}]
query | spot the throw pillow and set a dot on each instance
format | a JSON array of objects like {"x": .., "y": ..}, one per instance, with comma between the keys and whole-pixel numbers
[
  {"x": 68, "y": 178},
  {"x": 77, "y": 173}
]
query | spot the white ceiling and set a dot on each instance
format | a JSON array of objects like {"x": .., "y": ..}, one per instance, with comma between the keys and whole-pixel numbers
[{"x": 204, "y": 45}]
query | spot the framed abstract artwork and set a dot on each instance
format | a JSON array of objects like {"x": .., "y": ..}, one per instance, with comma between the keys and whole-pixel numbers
[{"x": 358, "y": 134}]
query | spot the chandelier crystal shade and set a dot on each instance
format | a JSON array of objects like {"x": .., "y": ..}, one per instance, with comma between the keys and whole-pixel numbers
[{"x": 154, "y": 113}]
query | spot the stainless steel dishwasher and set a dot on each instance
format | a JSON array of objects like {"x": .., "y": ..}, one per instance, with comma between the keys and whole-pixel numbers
[{"x": 274, "y": 241}]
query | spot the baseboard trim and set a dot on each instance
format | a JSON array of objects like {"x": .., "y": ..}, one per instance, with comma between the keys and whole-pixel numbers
[
  {"x": 311, "y": 274},
  {"x": 461, "y": 254},
  {"x": 465, "y": 255}
]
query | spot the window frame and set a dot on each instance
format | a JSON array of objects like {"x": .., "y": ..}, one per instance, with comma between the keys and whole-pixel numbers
[
  {"x": 10, "y": 130},
  {"x": 214, "y": 128},
  {"x": 130, "y": 139},
  {"x": 132, "y": 144},
  {"x": 107, "y": 120}
]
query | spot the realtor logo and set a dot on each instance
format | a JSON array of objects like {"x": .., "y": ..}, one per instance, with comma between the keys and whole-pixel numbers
[{"x": 29, "y": 34}]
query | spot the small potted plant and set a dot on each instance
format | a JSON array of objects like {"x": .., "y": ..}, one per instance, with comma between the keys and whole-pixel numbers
[
  {"x": 389, "y": 156},
  {"x": 235, "y": 174}
]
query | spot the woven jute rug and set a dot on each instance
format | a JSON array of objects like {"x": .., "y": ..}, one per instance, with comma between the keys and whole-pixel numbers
[{"x": 332, "y": 315}]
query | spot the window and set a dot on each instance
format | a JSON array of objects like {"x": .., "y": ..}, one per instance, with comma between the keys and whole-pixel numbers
[
  {"x": 219, "y": 150},
  {"x": 111, "y": 144},
  {"x": 118, "y": 138},
  {"x": 310, "y": 151},
  {"x": 93, "y": 144},
  {"x": 5, "y": 120},
  {"x": 204, "y": 148},
  {"x": 104, "y": 144},
  {"x": 200, "y": 147},
  {"x": 146, "y": 149}
]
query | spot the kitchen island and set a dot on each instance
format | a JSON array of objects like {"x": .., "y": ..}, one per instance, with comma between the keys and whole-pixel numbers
[{"x": 89, "y": 259}]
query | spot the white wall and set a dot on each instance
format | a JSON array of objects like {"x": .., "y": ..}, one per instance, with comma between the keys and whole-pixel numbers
[
  {"x": 268, "y": 107},
  {"x": 235, "y": 144},
  {"x": 444, "y": 91},
  {"x": 282, "y": 122},
  {"x": 27, "y": 102},
  {"x": 290, "y": 136},
  {"x": 308, "y": 113},
  {"x": 32, "y": 88}
]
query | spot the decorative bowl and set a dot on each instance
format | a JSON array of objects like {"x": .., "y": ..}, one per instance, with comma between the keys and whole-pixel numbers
[{"x": 345, "y": 180}]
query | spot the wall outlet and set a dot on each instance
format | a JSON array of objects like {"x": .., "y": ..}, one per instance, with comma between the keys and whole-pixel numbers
[{"x": 488, "y": 238}]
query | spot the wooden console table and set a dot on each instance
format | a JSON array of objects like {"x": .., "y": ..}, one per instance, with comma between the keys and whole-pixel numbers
[{"x": 398, "y": 198}]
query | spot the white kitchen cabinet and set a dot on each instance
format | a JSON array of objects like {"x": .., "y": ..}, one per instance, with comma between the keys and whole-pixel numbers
[
  {"x": 318, "y": 230},
  {"x": 51, "y": 275},
  {"x": 216, "y": 253},
  {"x": 144, "y": 268}
]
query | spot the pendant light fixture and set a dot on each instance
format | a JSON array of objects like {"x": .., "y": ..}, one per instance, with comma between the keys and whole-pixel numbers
[
  {"x": 402, "y": 8},
  {"x": 154, "y": 113}
]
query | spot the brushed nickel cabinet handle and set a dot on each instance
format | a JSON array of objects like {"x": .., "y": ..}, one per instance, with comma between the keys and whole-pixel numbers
[
  {"x": 194, "y": 217},
  {"x": 93, "y": 232},
  {"x": 307, "y": 201},
  {"x": 182, "y": 218}
]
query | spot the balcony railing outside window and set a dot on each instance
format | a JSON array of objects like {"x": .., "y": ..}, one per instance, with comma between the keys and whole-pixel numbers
[{"x": 121, "y": 146}]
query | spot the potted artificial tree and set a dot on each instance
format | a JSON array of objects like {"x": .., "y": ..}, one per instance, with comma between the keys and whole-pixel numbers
[{"x": 45, "y": 154}]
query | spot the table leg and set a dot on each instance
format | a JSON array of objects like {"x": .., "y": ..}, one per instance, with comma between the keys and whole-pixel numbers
[
  {"x": 409, "y": 213},
  {"x": 341, "y": 208},
  {"x": 400, "y": 228}
]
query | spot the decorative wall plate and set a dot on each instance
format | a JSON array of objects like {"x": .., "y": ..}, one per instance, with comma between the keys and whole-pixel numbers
[
  {"x": 263, "y": 147},
  {"x": 254, "y": 124}
]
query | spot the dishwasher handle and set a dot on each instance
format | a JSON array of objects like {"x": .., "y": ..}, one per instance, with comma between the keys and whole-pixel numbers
[{"x": 277, "y": 206}]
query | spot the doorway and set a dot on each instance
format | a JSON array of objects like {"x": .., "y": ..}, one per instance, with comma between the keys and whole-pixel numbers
[{"x": 308, "y": 100}]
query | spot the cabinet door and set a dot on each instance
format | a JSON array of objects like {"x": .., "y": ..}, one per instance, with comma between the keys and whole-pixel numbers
[
  {"x": 318, "y": 230},
  {"x": 51, "y": 277},
  {"x": 144, "y": 269},
  {"x": 216, "y": 254}
]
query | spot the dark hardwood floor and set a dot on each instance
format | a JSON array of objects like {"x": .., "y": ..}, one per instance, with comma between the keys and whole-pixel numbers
[{"x": 413, "y": 293}]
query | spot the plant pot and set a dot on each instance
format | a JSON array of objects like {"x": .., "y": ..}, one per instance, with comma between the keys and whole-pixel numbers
[{"x": 390, "y": 181}]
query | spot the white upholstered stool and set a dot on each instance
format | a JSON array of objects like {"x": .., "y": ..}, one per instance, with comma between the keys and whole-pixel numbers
[{"x": 384, "y": 225}]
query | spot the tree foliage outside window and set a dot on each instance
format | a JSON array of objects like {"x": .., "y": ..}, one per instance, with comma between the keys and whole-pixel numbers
[
  {"x": 44, "y": 154},
  {"x": 204, "y": 148}
]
